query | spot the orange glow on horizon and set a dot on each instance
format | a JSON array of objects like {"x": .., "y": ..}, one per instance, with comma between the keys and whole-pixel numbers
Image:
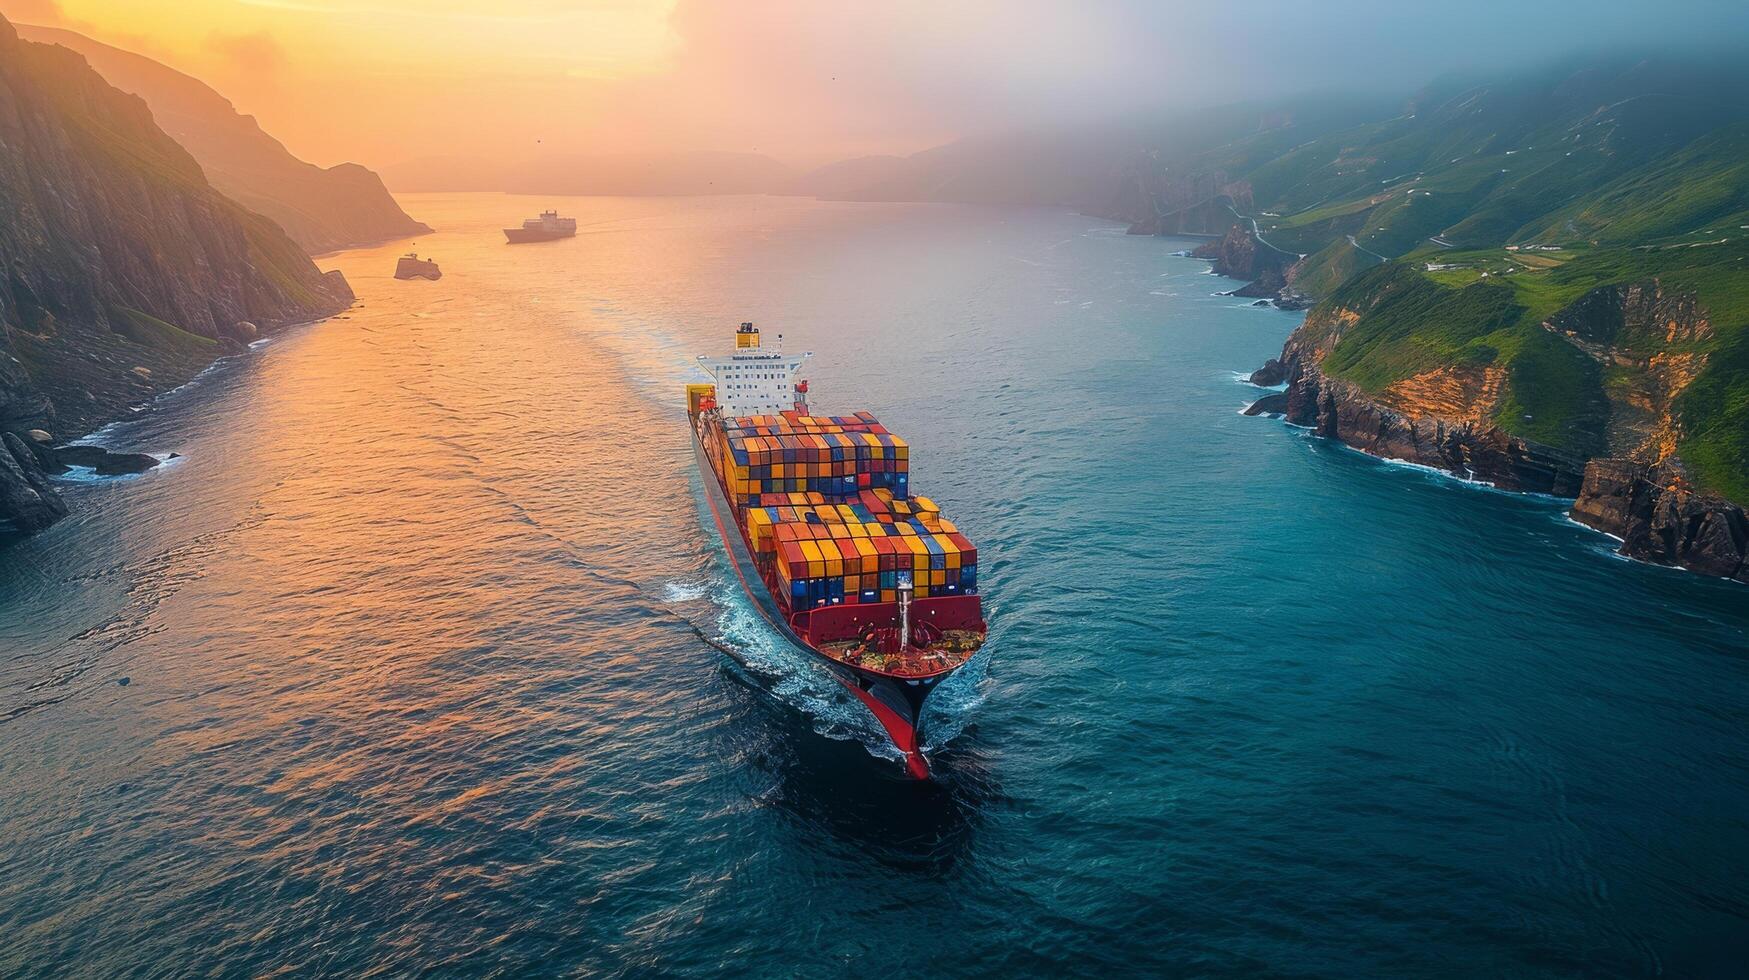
[{"x": 381, "y": 81}]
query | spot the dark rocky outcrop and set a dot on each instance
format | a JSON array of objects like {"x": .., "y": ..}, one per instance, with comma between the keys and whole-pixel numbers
[
  {"x": 104, "y": 462},
  {"x": 322, "y": 209},
  {"x": 1272, "y": 404},
  {"x": 122, "y": 271},
  {"x": 1266, "y": 286},
  {"x": 1272, "y": 373},
  {"x": 28, "y": 502},
  {"x": 1661, "y": 518},
  {"x": 1239, "y": 254}
]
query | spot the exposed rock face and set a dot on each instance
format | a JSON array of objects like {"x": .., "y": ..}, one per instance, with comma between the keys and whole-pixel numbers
[
  {"x": 1444, "y": 423},
  {"x": 1660, "y": 518},
  {"x": 1443, "y": 418},
  {"x": 1272, "y": 373},
  {"x": 28, "y": 503},
  {"x": 1632, "y": 328},
  {"x": 321, "y": 209},
  {"x": 122, "y": 272},
  {"x": 1271, "y": 404},
  {"x": 116, "y": 253},
  {"x": 1240, "y": 255},
  {"x": 1468, "y": 448}
]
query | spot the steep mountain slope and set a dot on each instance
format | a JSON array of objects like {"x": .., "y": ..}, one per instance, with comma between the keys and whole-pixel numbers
[
  {"x": 1619, "y": 376},
  {"x": 1481, "y": 164},
  {"x": 1539, "y": 281},
  {"x": 321, "y": 209},
  {"x": 125, "y": 272}
]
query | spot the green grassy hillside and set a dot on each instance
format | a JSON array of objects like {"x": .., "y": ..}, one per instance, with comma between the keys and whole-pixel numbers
[
  {"x": 1488, "y": 307},
  {"x": 1462, "y": 225}
]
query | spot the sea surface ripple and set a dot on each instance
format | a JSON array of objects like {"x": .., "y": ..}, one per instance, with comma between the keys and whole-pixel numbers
[{"x": 420, "y": 661}]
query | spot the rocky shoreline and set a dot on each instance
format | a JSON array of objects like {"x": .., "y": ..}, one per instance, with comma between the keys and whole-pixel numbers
[
  {"x": 1651, "y": 507},
  {"x": 31, "y": 459},
  {"x": 126, "y": 273}
]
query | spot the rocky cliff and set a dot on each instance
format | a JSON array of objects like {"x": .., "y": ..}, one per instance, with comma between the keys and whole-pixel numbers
[
  {"x": 1444, "y": 422},
  {"x": 1629, "y": 480},
  {"x": 1240, "y": 254},
  {"x": 1661, "y": 517},
  {"x": 321, "y": 209},
  {"x": 124, "y": 271}
]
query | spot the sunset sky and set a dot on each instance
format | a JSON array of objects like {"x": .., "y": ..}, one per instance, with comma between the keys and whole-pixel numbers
[{"x": 387, "y": 81}]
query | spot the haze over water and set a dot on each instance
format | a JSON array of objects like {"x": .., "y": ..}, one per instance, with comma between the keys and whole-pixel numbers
[{"x": 416, "y": 661}]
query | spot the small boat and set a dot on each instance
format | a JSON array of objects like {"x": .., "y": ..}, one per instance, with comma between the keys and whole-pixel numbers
[{"x": 412, "y": 266}]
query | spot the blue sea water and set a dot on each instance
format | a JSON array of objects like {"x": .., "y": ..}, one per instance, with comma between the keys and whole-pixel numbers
[{"x": 415, "y": 662}]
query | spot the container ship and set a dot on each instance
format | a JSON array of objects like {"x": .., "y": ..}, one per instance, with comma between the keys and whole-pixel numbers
[
  {"x": 548, "y": 227},
  {"x": 826, "y": 539}
]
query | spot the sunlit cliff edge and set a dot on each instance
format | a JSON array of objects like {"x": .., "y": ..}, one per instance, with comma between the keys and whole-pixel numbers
[
  {"x": 322, "y": 209},
  {"x": 125, "y": 272}
]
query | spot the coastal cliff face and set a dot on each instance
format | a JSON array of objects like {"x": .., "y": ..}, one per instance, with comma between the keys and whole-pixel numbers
[
  {"x": 1442, "y": 422},
  {"x": 1630, "y": 483},
  {"x": 323, "y": 210},
  {"x": 1661, "y": 518},
  {"x": 1271, "y": 272},
  {"x": 122, "y": 272}
]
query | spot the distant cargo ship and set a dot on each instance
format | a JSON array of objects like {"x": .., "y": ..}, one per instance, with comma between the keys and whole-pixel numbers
[
  {"x": 822, "y": 531},
  {"x": 546, "y": 228},
  {"x": 411, "y": 266}
]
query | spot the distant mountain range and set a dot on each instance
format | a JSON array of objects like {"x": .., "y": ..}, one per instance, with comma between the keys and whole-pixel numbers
[{"x": 323, "y": 210}]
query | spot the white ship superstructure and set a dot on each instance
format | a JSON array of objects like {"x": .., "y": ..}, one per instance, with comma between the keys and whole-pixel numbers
[
  {"x": 551, "y": 222},
  {"x": 754, "y": 380}
]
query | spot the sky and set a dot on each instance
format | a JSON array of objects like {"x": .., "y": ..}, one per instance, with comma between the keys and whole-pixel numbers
[{"x": 383, "y": 82}]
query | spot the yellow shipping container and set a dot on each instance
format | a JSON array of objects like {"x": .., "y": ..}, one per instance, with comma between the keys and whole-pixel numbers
[
  {"x": 816, "y": 560},
  {"x": 919, "y": 553}
]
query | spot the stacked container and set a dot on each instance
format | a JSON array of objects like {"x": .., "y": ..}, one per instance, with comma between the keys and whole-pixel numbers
[{"x": 825, "y": 503}]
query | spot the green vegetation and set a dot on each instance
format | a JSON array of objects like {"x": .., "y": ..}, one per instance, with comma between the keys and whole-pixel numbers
[
  {"x": 1715, "y": 419},
  {"x": 1700, "y": 192},
  {"x": 149, "y": 331},
  {"x": 1554, "y": 393},
  {"x": 1330, "y": 267},
  {"x": 1490, "y": 308},
  {"x": 1412, "y": 324},
  {"x": 1596, "y": 174}
]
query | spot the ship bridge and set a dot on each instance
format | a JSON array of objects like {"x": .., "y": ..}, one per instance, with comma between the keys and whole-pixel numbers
[{"x": 754, "y": 380}]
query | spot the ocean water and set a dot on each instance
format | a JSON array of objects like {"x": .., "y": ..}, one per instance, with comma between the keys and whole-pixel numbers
[{"x": 420, "y": 661}]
